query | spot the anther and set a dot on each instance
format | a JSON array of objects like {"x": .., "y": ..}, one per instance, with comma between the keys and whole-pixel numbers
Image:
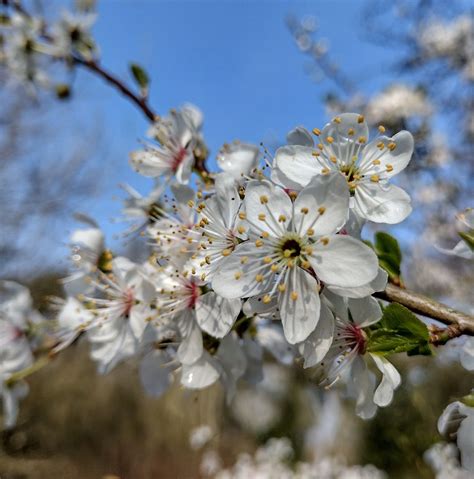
[
  {"x": 263, "y": 199},
  {"x": 294, "y": 295},
  {"x": 242, "y": 215},
  {"x": 330, "y": 139},
  {"x": 261, "y": 216},
  {"x": 259, "y": 278},
  {"x": 316, "y": 131},
  {"x": 389, "y": 168},
  {"x": 266, "y": 299},
  {"x": 381, "y": 129},
  {"x": 226, "y": 252},
  {"x": 237, "y": 275},
  {"x": 360, "y": 119},
  {"x": 281, "y": 218},
  {"x": 258, "y": 243},
  {"x": 325, "y": 241},
  {"x": 304, "y": 210},
  {"x": 321, "y": 210},
  {"x": 374, "y": 178},
  {"x": 362, "y": 139}
]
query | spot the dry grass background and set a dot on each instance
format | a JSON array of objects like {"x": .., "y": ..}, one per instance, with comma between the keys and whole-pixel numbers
[{"x": 77, "y": 424}]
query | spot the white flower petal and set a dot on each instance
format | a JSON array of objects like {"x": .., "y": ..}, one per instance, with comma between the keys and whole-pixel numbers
[
  {"x": 271, "y": 337},
  {"x": 296, "y": 166},
  {"x": 238, "y": 159},
  {"x": 467, "y": 354},
  {"x": 362, "y": 383},
  {"x": 328, "y": 194},
  {"x": 382, "y": 203},
  {"x": 344, "y": 261},
  {"x": 300, "y": 136},
  {"x": 365, "y": 311},
  {"x": 397, "y": 159},
  {"x": 390, "y": 381},
  {"x": 343, "y": 145},
  {"x": 148, "y": 163},
  {"x": 377, "y": 284},
  {"x": 216, "y": 315},
  {"x": 262, "y": 198},
  {"x": 236, "y": 276},
  {"x": 315, "y": 347},
  {"x": 465, "y": 441},
  {"x": 301, "y": 315},
  {"x": 154, "y": 374},
  {"x": 191, "y": 348},
  {"x": 200, "y": 374}
]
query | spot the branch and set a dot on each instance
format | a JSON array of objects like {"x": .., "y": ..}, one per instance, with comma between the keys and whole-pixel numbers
[
  {"x": 139, "y": 101},
  {"x": 459, "y": 323}
]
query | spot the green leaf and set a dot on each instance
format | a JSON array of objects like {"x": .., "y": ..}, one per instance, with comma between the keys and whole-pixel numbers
[
  {"x": 399, "y": 331},
  {"x": 387, "y": 244},
  {"x": 140, "y": 76},
  {"x": 390, "y": 256},
  {"x": 468, "y": 238}
]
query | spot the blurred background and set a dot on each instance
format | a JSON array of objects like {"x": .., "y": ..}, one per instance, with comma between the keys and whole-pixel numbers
[{"x": 256, "y": 69}]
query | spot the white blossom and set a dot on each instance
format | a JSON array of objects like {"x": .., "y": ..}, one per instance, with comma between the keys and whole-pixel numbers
[{"x": 367, "y": 168}]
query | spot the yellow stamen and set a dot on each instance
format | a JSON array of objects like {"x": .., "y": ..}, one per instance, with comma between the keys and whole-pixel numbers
[{"x": 294, "y": 295}]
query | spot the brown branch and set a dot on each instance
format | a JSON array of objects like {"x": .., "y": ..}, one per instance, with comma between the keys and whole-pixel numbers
[
  {"x": 139, "y": 101},
  {"x": 459, "y": 323}
]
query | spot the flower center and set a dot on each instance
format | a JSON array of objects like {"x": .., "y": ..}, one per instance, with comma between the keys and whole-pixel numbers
[
  {"x": 193, "y": 293},
  {"x": 128, "y": 301},
  {"x": 352, "y": 174},
  {"x": 356, "y": 337},
  {"x": 178, "y": 158},
  {"x": 291, "y": 248}
]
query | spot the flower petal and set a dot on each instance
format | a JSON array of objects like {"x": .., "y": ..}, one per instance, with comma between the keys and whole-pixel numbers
[
  {"x": 388, "y": 161},
  {"x": 216, "y": 315},
  {"x": 191, "y": 348},
  {"x": 365, "y": 311},
  {"x": 390, "y": 381},
  {"x": 465, "y": 442},
  {"x": 377, "y": 284},
  {"x": 299, "y": 306},
  {"x": 264, "y": 200},
  {"x": 362, "y": 385},
  {"x": 315, "y": 347},
  {"x": 237, "y": 274},
  {"x": 238, "y": 159},
  {"x": 382, "y": 203},
  {"x": 296, "y": 166},
  {"x": 348, "y": 131},
  {"x": 300, "y": 136},
  {"x": 271, "y": 337},
  {"x": 344, "y": 261},
  {"x": 154, "y": 374},
  {"x": 326, "y": 200},
  {"x": 200, "y": 374}
]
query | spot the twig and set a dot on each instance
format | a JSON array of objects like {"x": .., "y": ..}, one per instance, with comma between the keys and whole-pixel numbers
[
  {"x": 139, "y": 101},
  {"x": 459, "y": 323}
]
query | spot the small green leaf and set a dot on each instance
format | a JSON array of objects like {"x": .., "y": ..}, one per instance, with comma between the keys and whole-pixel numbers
[
  {"x": 468, "y": 238},
  {"x": 140, "y": 76},
  {"x": 390, "y": 256},
  {"x": 387, "y": 244},
  {"x": 399, "y": 331}
]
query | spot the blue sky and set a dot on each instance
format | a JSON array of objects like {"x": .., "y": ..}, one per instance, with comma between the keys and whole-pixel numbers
[{"x": 236, "y": 60}]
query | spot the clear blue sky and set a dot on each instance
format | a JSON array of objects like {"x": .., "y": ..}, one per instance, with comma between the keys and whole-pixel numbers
[{"x": 236, "y": 60}]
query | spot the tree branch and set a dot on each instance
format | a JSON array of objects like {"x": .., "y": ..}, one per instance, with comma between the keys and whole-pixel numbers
[
  {"x": 460, "y": 323},
  {"x": 119, "y": 85}
]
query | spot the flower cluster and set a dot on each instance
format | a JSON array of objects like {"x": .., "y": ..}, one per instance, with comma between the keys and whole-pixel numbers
[{"x": 265, "y": 259}]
